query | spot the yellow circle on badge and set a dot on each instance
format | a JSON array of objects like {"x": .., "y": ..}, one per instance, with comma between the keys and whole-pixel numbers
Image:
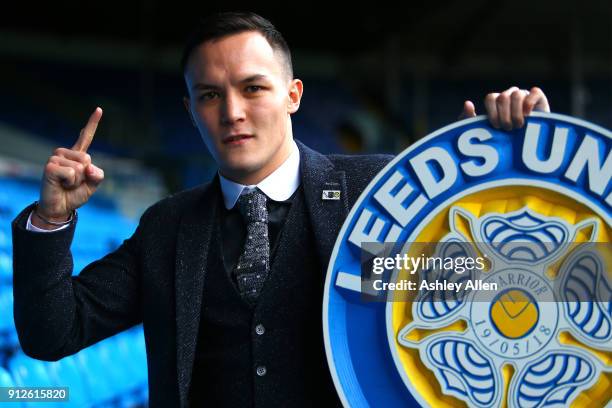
[{"x": 514, "y": 314}]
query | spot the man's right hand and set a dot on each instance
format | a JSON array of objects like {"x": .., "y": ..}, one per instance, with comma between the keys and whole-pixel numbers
[{"x": 69, "y": 179}]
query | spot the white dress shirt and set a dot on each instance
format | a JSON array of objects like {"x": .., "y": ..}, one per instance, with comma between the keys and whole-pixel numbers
[
  {"x": 278, "y": 186},
  {"x": 32, "y": 227}
]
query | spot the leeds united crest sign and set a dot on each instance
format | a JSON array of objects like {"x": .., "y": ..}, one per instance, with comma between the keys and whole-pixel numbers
[{"x": 533, "y": 326}]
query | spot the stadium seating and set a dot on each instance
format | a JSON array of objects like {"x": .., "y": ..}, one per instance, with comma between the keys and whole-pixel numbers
[
  {"x": 111, "y": 373},
  {"x": 7, "y": 381}
]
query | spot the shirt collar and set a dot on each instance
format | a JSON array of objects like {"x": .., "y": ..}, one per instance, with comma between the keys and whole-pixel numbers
[{"x": 278, "y": 186}]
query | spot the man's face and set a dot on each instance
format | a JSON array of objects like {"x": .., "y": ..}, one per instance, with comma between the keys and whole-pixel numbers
[{"x": 241, "y": 99}]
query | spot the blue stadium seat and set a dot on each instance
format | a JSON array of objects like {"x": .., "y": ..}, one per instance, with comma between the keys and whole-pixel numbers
[
  {"x": 17, "y": 194},
  {"x": 66, "y": 373},
  {"x": 97, "y": 375},
  {"x": 6, "y": 310},
  {"x": 135, "y": 370},
  {"x": 7, "y": 381},
  {"x": 138, "y": 351},
  {"x": 5, "y": 378},
  {"x": 139, "y": 359},
  {"x": 8, "y": 333},
  {"x": 5, "y": 236},
  {"x": 27, "y": 372},
  {"x": 6, "y": 267}
]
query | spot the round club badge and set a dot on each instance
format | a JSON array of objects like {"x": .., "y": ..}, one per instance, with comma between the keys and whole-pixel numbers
[{"x": 474, "y": 270}]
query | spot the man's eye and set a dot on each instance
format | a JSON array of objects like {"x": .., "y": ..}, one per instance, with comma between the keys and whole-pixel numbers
[
  {"x": 207, "y": 96},
  {"x": 253, "y": 88}
]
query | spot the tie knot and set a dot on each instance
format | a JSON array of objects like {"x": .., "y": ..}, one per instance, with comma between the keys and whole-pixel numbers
[{"x": 252, "y": 206}]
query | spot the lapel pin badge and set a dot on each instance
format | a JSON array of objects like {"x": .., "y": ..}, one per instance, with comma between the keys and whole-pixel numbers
[{"x": 331, "y": 194}]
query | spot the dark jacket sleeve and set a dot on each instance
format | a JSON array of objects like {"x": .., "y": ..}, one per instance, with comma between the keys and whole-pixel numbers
[{"x": 57, "y": 314}]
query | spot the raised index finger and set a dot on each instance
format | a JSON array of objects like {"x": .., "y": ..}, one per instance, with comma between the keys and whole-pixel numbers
[{"x": 88, "y": 132}]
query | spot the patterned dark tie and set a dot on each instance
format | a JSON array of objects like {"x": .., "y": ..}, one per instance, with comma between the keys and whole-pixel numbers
[{"x": 254, "y": 262}]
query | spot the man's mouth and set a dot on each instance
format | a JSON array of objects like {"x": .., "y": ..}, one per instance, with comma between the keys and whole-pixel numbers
[{"x": 236, "y": 139}]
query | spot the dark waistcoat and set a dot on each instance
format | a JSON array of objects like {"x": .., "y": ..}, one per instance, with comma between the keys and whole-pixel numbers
[{"x": 272, "y": 354}]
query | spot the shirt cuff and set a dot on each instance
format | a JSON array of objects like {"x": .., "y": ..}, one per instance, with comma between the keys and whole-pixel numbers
[{"x": 32, "y": 227}]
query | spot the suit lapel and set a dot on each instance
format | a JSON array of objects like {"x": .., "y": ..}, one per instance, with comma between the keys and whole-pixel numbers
[
  {"x": 326, "y": 216},
  {"x": 191, "y": 256}
]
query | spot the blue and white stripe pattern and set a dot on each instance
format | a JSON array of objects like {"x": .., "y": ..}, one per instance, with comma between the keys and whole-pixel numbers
[
  {"x": 464, "y": 370},
  {"x": 552, "y": 381},
  {"x": 588, "y": 297},
  {"x": 523, "y": 237}
]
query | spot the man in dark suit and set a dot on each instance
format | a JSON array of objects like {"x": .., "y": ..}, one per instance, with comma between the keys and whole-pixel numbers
[{"x": 227, "y": 277}]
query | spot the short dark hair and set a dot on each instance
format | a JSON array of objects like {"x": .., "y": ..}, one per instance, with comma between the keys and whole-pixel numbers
[{"x": 223, "y": 24}]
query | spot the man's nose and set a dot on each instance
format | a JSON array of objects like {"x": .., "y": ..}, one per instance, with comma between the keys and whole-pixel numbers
[{"x": 233, "y": 109}]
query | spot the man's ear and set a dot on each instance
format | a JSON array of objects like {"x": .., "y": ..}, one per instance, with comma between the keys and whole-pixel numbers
[
  {"x": 187, "y": 104},
  {"x": 296, "y": 89}
]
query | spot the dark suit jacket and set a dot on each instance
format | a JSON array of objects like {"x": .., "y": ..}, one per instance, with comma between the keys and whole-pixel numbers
[{"x": 156, "y": 276}]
